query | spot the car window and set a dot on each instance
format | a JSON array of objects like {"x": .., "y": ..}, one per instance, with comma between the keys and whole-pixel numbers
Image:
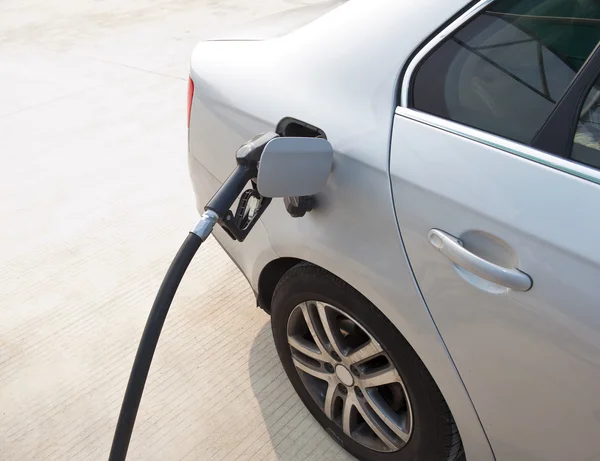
[
  {"x": 586, "y": 144},
  {"x": 505, "y": 70}
]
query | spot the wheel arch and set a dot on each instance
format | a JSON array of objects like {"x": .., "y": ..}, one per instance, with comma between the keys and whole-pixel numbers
[
  {"x": 274, "y": 271},
  {"x": 269, "y": 277}
]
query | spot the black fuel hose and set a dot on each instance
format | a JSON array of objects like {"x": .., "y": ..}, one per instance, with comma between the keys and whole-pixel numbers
[
  {"x": 247, "y": 158},
  {"x": 147, "y": 346}
]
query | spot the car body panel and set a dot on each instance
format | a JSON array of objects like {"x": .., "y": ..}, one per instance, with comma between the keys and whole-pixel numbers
[
  {"x": 323, "y": 74},
  {"x": 530, "y": 360},
  {"x": 278, "y": 24}
]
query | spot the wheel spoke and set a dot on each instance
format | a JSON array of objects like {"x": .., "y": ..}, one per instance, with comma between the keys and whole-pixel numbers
[
  {"x": 388, "y": 416},
  {"x": 310, "y": 323},
  {"x": 365, "y": 352},
  {"x": 311, "y": 370},
  {"x": 329, "y": 329},
  {"x": 330, "y": 399},
  {"x": 377, "y": 425},
  {"x": 388, "y": 375},
  {"x": 349, "y": 403},
  {"x": 306, "y": 348}
]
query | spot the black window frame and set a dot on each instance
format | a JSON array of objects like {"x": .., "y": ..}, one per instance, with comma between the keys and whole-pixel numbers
[{"x": 556, "y": 135}]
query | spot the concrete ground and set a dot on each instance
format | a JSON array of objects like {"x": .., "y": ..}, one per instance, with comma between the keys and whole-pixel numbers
[{"x": 95, "y": 200}]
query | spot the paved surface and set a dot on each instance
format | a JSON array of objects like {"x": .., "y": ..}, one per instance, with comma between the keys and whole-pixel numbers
[{"x": 95, "y": 202}]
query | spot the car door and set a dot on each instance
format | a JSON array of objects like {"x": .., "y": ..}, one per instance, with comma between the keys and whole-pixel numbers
[{"x": 494, "y": 170}]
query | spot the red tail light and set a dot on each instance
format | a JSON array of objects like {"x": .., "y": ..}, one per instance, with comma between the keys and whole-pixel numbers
[{"x": 189, "y": 100}]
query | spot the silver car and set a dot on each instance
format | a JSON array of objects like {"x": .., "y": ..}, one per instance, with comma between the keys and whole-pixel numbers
[{"x": 440, "y": 299}]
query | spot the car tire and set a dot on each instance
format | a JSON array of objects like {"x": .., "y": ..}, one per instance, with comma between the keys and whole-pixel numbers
[{"x": 307, "y": 293}]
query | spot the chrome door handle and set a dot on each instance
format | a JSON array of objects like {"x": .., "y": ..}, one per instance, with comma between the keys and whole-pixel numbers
[{"x": 453, "y": 249}]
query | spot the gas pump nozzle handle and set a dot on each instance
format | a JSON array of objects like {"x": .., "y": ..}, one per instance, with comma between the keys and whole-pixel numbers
[
  {"x": 247, "y": 158},
  {"x": 231, "y": 189}
]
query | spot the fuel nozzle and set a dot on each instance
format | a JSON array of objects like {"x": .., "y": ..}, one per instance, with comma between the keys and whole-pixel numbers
[
  {"x": 249, "y": 153},
  {"x": 251, "y": 204}
]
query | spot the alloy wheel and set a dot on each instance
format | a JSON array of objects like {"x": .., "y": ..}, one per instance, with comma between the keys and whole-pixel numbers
[{"x": 349, "y": 376}]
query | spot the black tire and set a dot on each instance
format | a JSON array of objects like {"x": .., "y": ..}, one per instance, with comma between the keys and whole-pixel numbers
[{"x": 434, "y": 435}]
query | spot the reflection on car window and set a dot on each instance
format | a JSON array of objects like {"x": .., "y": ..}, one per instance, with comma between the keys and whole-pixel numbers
[
  {"x": 586, "y": 144},
  {"x": 507, "y": 68}
]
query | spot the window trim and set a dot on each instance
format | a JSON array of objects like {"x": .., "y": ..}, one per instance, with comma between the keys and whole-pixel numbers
[
  {"x": 431, "y": 45},
  {"x": 503, "y": 144},
  {"x": 532, "y": 153}
]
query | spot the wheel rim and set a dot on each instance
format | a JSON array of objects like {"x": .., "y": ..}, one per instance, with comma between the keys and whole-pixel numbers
[{"x": 349, "y": 375}]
